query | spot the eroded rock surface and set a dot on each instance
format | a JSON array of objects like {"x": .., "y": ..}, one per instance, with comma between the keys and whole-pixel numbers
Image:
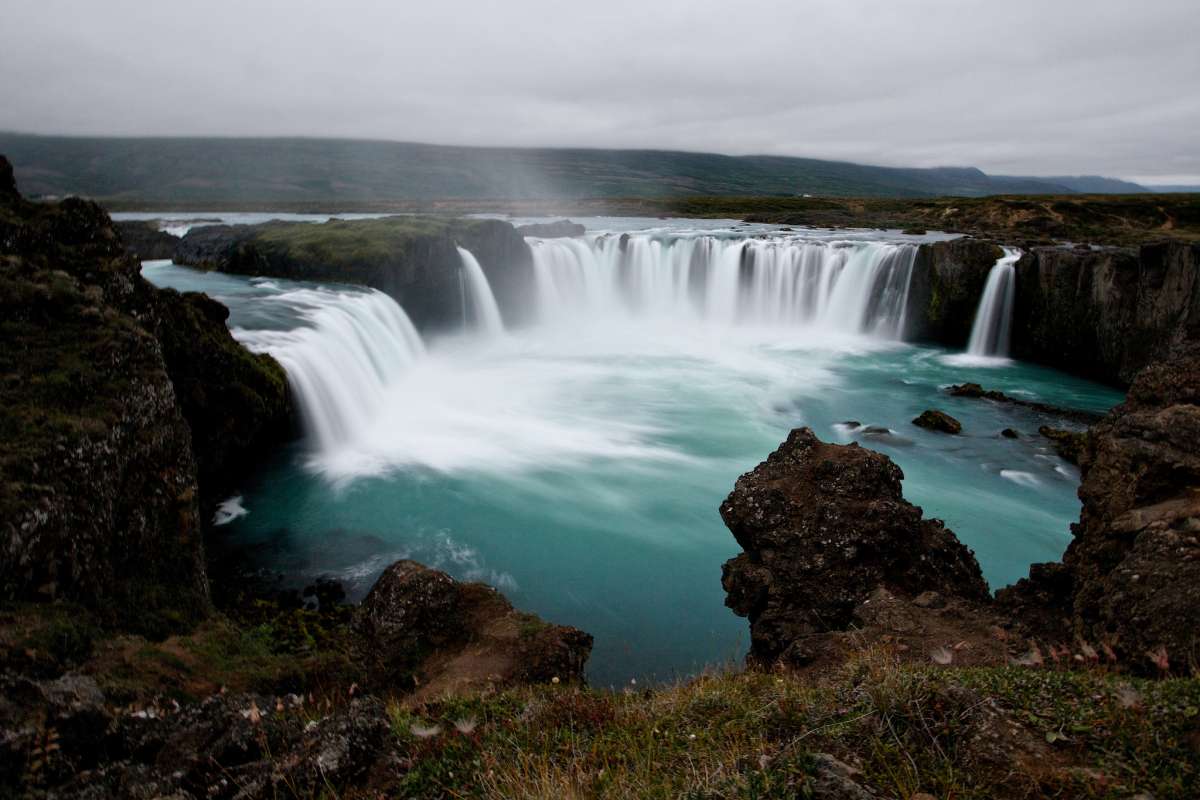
[
  {"x": 1131, "y": 571},
  {"x": 823, "y": 526}
]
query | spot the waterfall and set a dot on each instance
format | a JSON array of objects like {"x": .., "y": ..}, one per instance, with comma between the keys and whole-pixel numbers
[
  {"x": 341, "y": 360},
  {"x": 993, "y": 318},
  {"x": 852, "y": 287},
  {"x": 485, "y": 313}
]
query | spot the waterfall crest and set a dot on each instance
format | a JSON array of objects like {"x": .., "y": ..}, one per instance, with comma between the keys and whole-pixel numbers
[
  {"x": 483, "y": 309},
  {"x": 991, "y": 331},
  {"x": 340, "y": 362},
  {"x": 848, "y": 287}
]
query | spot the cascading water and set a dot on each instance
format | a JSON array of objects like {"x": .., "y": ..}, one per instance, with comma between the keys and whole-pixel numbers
[
  {"x": 993, "y": 319},
  {"x": 485, "y": 312},
  {"x": 842, "y": 286},
  {"x": 340, "y": 363}
]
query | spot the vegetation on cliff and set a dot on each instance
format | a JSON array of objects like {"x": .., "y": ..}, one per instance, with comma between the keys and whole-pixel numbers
[{"x": 412, "y": 258}]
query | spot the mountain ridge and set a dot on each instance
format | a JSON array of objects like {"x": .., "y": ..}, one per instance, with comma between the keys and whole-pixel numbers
[{"x": 289, "y": 170}]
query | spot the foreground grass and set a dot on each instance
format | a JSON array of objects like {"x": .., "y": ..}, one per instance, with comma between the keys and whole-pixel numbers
[{"x": 950, "y": 733}]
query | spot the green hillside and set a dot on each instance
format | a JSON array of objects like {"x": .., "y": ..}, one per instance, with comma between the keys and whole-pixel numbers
[{"x": 290, "y": 171}]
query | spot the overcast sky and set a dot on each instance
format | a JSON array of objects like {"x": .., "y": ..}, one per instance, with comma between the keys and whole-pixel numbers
[{"x": 1011, "y": 86}]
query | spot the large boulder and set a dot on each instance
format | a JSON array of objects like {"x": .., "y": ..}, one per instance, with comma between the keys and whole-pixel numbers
[{"x": 823, "y": 526}]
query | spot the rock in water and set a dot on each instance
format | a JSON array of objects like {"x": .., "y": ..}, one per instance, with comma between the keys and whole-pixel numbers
[
  {"x": 823, "y": 526},
  {"x": 936, "y": 420}
]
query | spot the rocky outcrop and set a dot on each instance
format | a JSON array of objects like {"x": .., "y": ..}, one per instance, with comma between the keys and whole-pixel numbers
[
  {"x": 430, "y": 631},
  {"x": 947, "y": 282},
  {"x": 99, "y": 498},
  {"x": 1128, "y": 577},
  {"x": 823, "y": 526},
  {"x": 561, "y": 229},
  {"x": 413, "y": 259},
  {"x": 144, "y": 241}
]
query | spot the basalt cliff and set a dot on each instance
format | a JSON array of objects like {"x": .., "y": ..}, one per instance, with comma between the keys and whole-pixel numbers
[{"x": 1103, "y": 313}]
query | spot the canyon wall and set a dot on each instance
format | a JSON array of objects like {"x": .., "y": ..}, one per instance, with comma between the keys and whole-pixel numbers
[{"x": 1102, "y": 313}]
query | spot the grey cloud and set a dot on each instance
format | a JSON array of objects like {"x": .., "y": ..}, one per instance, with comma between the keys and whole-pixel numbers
[{"x": 1073, "y": 86}]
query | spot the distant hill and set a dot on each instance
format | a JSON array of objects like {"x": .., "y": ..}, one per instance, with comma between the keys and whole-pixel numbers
[
  {"x": 1095, "y": 184},
  {"x": 211, "y": 171}
]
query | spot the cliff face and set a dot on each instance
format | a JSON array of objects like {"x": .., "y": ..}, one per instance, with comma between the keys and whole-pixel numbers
[
  {"x": 947, "y": 282},
  {"x": 98, "y": 495},
  {"x": 1103, "y": 314},
  {"x": 108, "y": 384},
  {"x": 1106, "y": 314},
  {"x": 413, "y": 259}
]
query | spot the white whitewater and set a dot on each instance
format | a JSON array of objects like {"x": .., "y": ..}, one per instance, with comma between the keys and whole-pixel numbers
[
  {"x": 484, "y": 311},
  {"x": 840, "y": 286},
  {"x": 340, "y": 363},
  {"x": 991, "y": 331}
]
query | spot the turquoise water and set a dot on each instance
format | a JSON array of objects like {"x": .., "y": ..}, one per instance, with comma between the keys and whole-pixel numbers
[{"x": 579, "y": 466}]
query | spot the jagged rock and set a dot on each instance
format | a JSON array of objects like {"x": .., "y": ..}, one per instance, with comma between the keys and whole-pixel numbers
[
  {"x": 418, "y": 622},
  {"x": 822, "y": 527},
  {"x": 98, "y": 498},
  {"x": 935, "y": 420},
  {"x": 145, "y": 242},
  {"x": 552, "y": 230},
  {"x": 1127, "y": 579},
  {"x": 1135, "y": 555}
]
